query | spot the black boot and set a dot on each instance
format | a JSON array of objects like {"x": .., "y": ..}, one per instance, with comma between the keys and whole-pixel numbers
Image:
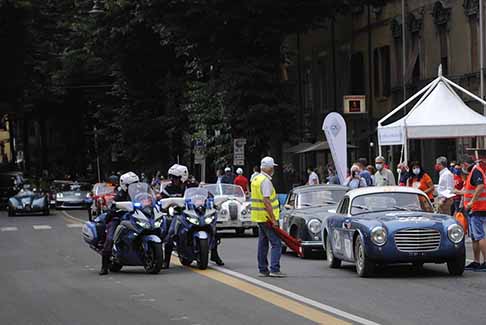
[
  {"x": 215, "y": 257},
  {"x": 167, "y": 256},
  {"x": 105, "y": 264}
]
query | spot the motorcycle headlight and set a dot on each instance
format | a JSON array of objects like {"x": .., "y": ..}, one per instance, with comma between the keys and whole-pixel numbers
[
  {"x": 455, "y": 233},
  {"x": 194, "y": 221},
  {"x": 143, "y": 224},
  {"x": 158, "y": 223},
  {"x": 378, "y": 236},
  {"x": 209, "y": 219},
  {"x": 314, "y": 226}
]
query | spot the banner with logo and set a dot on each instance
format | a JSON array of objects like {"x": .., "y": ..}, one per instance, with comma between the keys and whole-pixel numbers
[{"x": 334, "y": 127}]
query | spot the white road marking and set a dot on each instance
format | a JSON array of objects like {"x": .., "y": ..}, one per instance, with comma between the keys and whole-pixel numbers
[
  {"x": 9, "y": 229},
  {"x": 296, "y": 296},
  {"x": 74, "y": 225},
  {"x": 137, "y": 295},
  {"x": 147, "y": 300},
  {"x": 41, "y": 227}
]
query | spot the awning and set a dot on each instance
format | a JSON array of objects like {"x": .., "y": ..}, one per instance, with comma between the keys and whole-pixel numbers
[{"x": 298, "y": 147}]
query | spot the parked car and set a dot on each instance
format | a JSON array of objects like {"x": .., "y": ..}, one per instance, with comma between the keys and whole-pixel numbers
[
  {"x": 387, "y": 225},
  {"x": 102, "y": 196},
  {"x": 72, "y": 195},
  {"x": 28, "y": 201},
  {"x": 304, "y": 212},
  {"x": 234, "y": 209},
  {"x": 10, "y": 184}
]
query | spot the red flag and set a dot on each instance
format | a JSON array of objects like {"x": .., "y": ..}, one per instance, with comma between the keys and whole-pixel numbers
[{"x": 291, "y": 242}]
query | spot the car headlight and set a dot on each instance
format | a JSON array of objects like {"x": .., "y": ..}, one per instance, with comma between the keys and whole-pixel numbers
[
  {"x": 59, "y": 195},
  {"x": 209, "y": 219},
  {"x": 314, "y": 226},
  {"x": 244, "y": 212},
  {"x": 455, "y": 233},
  {"x": 378, "y": 236},
  {"x": 194, "y": 221},
  {"x": 223, "y": 212}
]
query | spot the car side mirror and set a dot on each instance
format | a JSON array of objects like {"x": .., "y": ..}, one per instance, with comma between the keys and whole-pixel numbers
[
  {"x": 124, "y": 206},
  {"x": 288, "y": 207}
]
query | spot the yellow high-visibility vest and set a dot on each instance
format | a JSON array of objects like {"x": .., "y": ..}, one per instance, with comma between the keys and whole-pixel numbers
[{"x": 258, "y": 213}]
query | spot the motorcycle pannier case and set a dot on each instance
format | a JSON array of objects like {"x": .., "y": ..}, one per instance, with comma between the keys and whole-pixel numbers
[{"x": 93, "y": 232}]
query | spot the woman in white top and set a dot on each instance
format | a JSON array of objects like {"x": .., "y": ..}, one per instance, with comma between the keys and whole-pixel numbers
[{"x": 354, "y": 180}]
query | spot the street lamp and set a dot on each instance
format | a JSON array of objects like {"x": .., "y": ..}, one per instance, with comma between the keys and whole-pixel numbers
[{"x": 98, "y": 8}]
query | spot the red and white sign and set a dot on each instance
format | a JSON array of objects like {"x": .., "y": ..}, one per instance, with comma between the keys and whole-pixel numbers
[{"x": 354, "y": 104}]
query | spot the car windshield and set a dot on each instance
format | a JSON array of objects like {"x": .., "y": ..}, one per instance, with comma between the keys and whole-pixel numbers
[
  {"x": 320, "y": 197},
  {"x": 390, "y": 201},
  {"x": 72, "y": 187},
  {"x": 225, "y": 189},
  {"x": 196, "y": 196},
  {"x": 141, "y": 195},
  {"x": 103, "y": 188}
]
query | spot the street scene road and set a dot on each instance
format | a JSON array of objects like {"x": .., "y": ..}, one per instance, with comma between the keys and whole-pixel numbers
[{"x": 49, "y": 276}]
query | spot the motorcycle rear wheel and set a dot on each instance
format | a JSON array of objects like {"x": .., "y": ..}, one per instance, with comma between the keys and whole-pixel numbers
[
  {"x": 203, "y": 260},
  {"x": 154, "y": 259}
]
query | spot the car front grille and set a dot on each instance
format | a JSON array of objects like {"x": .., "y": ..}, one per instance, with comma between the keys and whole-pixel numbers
[
  {"x": 417, "y": 240},
  {"x": 233, "y": 211}
]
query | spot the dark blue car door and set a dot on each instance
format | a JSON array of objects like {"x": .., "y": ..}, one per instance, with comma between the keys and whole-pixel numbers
[{"x": 336, "y": 229}]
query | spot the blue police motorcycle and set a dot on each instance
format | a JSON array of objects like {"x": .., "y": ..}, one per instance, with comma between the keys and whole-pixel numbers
[
  {"x": 138, "y": 238},
  {"x": 194, "y": 228}
]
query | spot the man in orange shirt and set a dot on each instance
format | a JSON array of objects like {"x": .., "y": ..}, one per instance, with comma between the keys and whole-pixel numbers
[{"x": 241, "y": 180}]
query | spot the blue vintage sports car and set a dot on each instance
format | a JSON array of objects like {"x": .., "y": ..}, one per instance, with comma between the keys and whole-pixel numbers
[{"x": 388, "y": 225}]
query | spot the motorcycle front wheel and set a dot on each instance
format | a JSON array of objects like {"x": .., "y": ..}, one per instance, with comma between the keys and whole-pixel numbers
[
  {"x": 203, "y": 259},
  {"x": 154, "y": 258}
]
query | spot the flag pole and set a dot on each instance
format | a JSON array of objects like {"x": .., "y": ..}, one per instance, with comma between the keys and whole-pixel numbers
[{"x": 404, "y": 54}]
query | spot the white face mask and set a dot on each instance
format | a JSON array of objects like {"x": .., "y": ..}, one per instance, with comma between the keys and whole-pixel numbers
[
  {"x": 416, "y": 171},
  {"x": 379, "y": 166}
]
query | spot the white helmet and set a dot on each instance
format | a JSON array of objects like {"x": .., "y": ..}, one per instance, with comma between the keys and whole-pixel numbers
[
  {"x": 179, "y": 171},
  {"x": 127, "y": 179},
  {"x": 239, "y": 171}
]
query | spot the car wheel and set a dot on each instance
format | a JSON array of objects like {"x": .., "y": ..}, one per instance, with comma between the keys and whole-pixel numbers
[
  {"x": 332, "y": 261},
  {"x": 115, "y": 267},
  {"x": 456, "y": 265},
  {"x": 364, "y": 267},
  {"x": 240, "y": 231},
  {"x": 254, "y": 231}
]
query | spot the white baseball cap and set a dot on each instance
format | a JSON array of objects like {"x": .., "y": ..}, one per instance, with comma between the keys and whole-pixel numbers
[
  {"x": 268, "y": 162},
  {"x": 227, "y": 169},
  {"x": 239, "y": 171}
]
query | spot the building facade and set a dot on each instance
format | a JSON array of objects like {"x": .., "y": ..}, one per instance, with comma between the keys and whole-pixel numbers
[{"x": 360, "y": 52}]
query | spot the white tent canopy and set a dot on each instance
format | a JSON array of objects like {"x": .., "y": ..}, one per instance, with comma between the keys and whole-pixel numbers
[{"x": 439, "y": 113}]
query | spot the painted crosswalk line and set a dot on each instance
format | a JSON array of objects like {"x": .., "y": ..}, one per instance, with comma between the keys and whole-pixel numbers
[
  {"x": 9, "y": 229},
  {"x": 41, "y": 227}
]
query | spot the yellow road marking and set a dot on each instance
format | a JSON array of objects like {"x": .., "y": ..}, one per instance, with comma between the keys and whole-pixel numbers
[
  {"x": 290, "y": 305},
  {"x": 70, "y": 219}
]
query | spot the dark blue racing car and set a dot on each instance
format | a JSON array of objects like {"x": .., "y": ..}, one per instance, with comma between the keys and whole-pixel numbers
[{"x": 388, "y": 225}]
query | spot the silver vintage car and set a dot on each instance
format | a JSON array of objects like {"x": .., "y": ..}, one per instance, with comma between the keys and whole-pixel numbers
[{"x": 233, "y": 208}]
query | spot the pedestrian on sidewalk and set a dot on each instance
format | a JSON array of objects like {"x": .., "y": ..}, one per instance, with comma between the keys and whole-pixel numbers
[
  {"x": 242, "y": 181},
  {"x": 264, "y": 208},
  {"x": 362, "y": 162},
  {"x": 383, "y": 176},
  {"x": 458, "y": 186},
  {"x": 421, "y": 180},
  {"x": 354, "y": 180},
  {"x": 228, "y": 177},
  {"x": 313, "y": 177},
  {"x": 475, "y": 204},
  {"x": 446, "y": 186}
]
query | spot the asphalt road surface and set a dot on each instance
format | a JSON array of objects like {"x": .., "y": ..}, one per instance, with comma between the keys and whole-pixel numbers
[{"x": 49, "y": 276}]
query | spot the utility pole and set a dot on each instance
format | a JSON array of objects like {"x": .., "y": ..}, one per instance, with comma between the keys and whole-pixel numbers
[{"x": 404, "y": 55}]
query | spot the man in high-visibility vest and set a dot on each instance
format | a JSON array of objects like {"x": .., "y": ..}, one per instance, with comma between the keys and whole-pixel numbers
[
  {"x": 265, "y": 207},
  {"x": 475, "y": 203}
]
